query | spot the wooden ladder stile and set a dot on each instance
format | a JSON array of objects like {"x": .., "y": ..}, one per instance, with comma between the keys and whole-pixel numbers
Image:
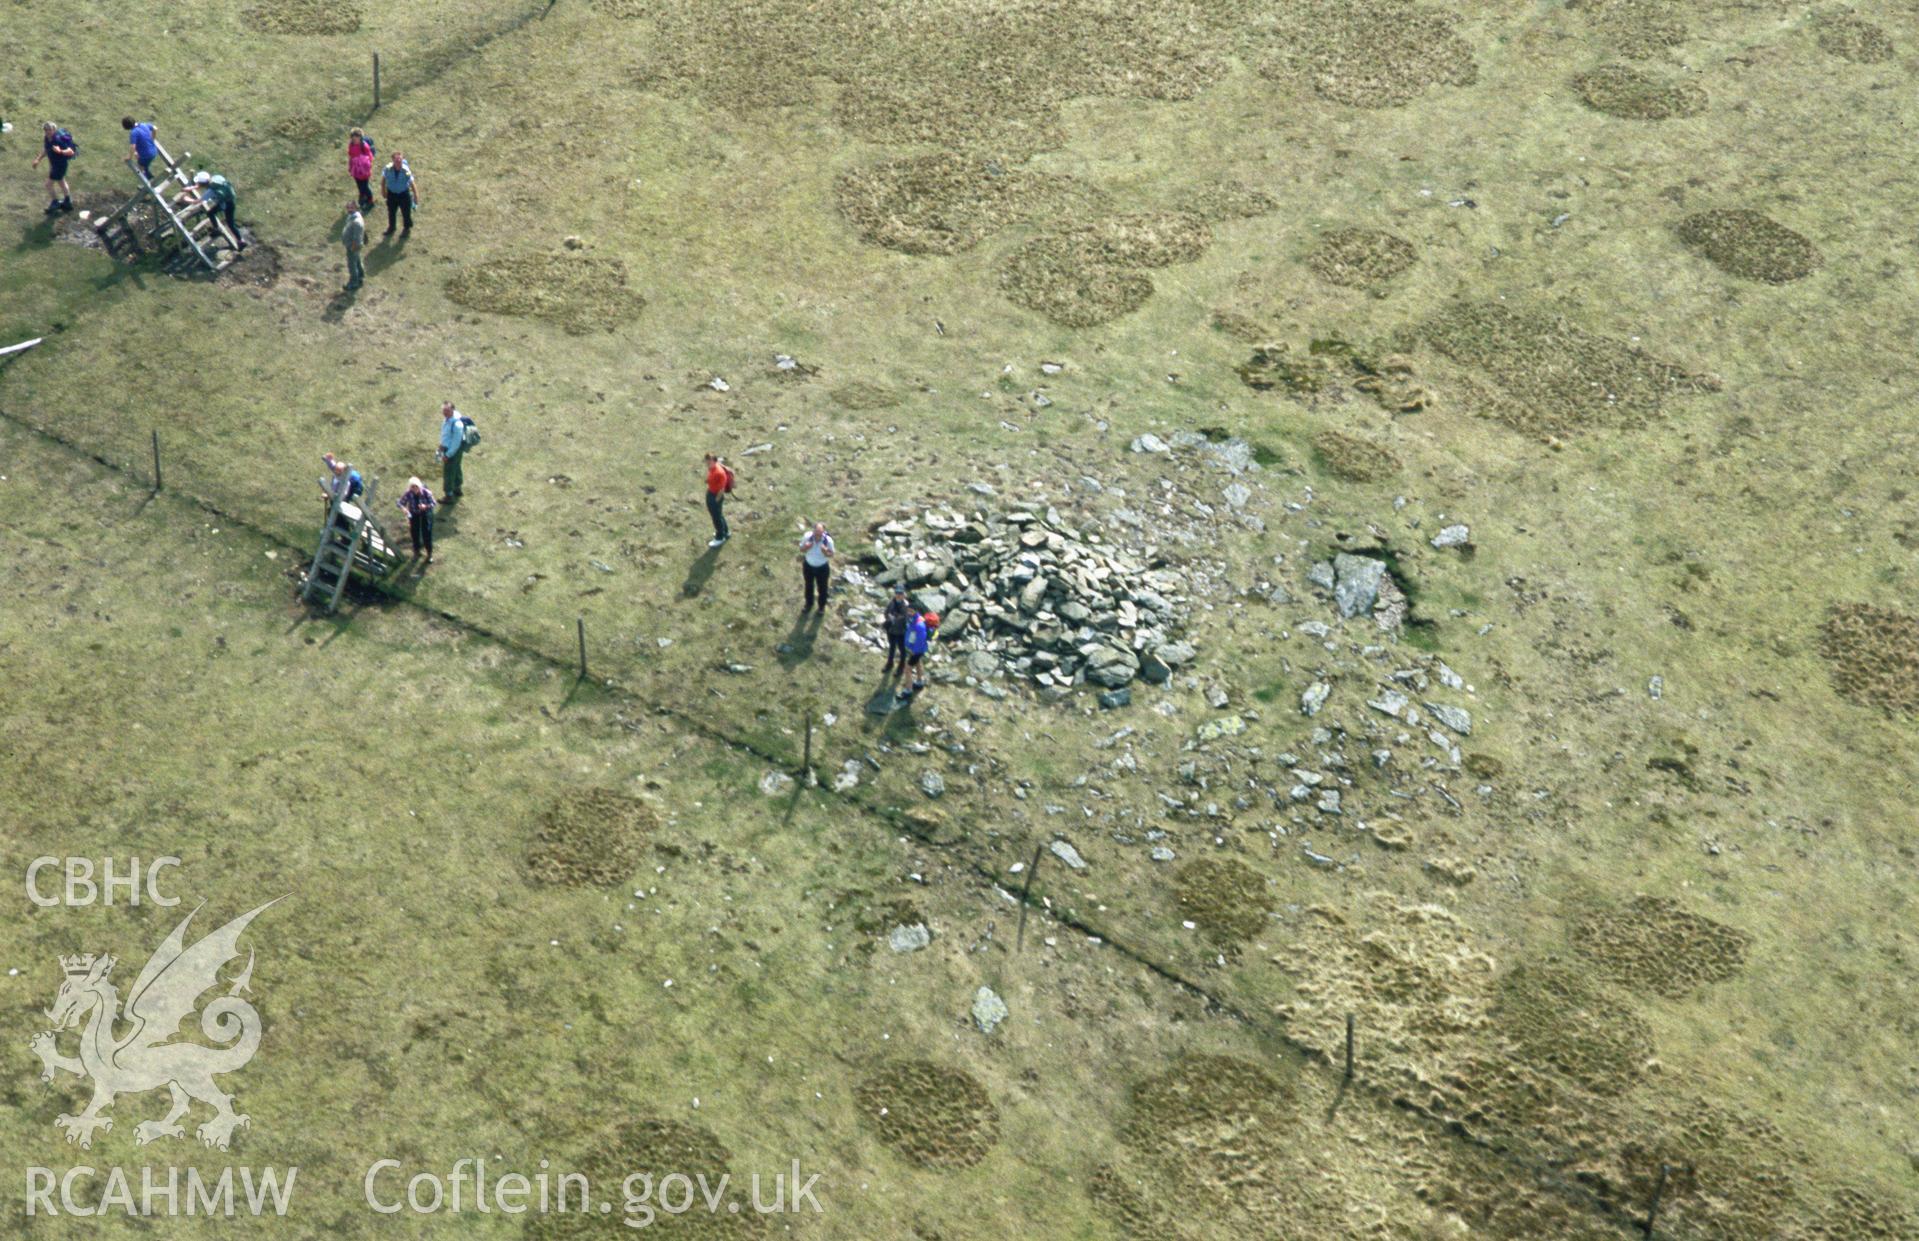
[{"x": 350, "y": 542}]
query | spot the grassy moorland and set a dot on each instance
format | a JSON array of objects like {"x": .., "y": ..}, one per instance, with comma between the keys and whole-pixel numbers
[{"x": 1621, "y": 288}]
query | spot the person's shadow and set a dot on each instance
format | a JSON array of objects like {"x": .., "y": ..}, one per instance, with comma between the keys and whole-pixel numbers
[
  {"x": 798, "y": 647},
  {"x": 38, "y": 235},
  {"x": 886, "y": 702},
  {"x": 341, "y": 302},
  {"x": 377, "y": 258},
  {"x": 699, "y": 573}
]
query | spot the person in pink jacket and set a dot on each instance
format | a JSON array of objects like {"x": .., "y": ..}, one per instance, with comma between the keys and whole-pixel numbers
[{"x": 359, "y": 165}]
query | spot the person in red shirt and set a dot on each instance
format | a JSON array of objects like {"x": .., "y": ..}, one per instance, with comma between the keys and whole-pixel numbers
[{"x": 719, "y": 481}]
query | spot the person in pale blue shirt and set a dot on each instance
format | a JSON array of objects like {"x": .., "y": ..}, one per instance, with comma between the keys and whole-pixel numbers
[
  {"x": 401, "y": 192},
  {"x": 453, "y": 430}
]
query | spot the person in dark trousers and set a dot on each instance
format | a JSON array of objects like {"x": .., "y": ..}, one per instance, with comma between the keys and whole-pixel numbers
[
  {"x": 898, "y": 613},
  {"x": 719, "y": 481},
  {"x": 359, "y": 165},
  {"x": 401, "y": 192},
  {"x": 919, "y": 636},
  {"x": 418, "y": 505},
  {"x": 452, "y": 453},
  {"x": 57, "y": 147},
  {"x": 816, "y": 563},
  {"x": 213, "y": 194},
  {"x": 353, "y": 236},
  {"x": 140, "y": 139}
]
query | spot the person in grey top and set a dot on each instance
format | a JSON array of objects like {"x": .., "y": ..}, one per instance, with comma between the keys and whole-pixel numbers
[{"x": 353, "y": 236}]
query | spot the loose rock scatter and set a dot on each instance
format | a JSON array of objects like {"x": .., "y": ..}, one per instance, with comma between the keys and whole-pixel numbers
[{"x": 1028, "y": 594}]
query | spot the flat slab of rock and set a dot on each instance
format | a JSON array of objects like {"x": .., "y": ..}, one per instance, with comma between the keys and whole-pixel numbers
[
  {"x": 1390, "y": 702},
  {"x": 909, "y": 938},
  {"x": 1356, "y": 589},
  {"x": 988, "y": 1010},
  {"x": 1225, "y": 726},
  {"x": 1068, "y": 854}
]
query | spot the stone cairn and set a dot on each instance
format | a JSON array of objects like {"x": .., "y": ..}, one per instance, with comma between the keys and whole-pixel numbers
[{"x": 1026, "y": 594}]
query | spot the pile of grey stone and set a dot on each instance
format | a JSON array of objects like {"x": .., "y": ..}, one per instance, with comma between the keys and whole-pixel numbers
[{"x": 1026, "y": 594}]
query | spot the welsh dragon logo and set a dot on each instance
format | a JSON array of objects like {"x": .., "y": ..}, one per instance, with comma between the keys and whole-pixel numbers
[{"x": 144, "y": 1057}]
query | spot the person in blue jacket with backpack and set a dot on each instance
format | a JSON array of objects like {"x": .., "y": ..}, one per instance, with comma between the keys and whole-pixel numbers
[
  {"x": 919, "y": 637},
  {"x": 457, "y": 434},
  {"x": 57, "y": 147}
]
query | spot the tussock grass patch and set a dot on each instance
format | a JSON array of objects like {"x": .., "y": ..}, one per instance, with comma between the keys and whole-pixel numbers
[
  {"x": 1748, "y": 244},
  {"x": 1651, "y": 944},
  {"x": 931, "y": 1114},
  {"x": 589, "y": 838},
  {"x": 1553, "y": 378},
  {"x": 1872, "y": 655},
  {"x": 1628, "y": 93},
  {"x": 580, "y": 292}
]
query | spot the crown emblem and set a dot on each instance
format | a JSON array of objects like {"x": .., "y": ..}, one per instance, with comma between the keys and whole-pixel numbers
[{"x": 78, "y": 966}]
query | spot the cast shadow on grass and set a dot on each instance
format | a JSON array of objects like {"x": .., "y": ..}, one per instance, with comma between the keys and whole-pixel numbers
[
  {"x": 36, "y": 236},
  {"x": 334, "y": 624},
  {"x": 700, "y": 573},
  {"x": 886, "y": 715},
  {"x": 338, "y": 305},
  {"x": 798, "y": 646},
  {"x": 384, "y": 255}
]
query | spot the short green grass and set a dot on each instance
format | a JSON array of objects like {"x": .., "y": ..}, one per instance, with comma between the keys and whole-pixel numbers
[{"x": 1703, "y": 547}]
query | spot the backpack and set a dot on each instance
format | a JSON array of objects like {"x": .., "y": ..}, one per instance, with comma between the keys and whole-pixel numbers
[
  {"x": 730, "y": 477},
  {"x": 469, "y": 433},
  {"x": 61, "y": 138}
]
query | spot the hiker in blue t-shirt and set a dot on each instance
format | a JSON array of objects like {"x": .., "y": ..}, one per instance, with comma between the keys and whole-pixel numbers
[
  {"x": 919, "y": 636},
  {"x": 140, "y": 138}
]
